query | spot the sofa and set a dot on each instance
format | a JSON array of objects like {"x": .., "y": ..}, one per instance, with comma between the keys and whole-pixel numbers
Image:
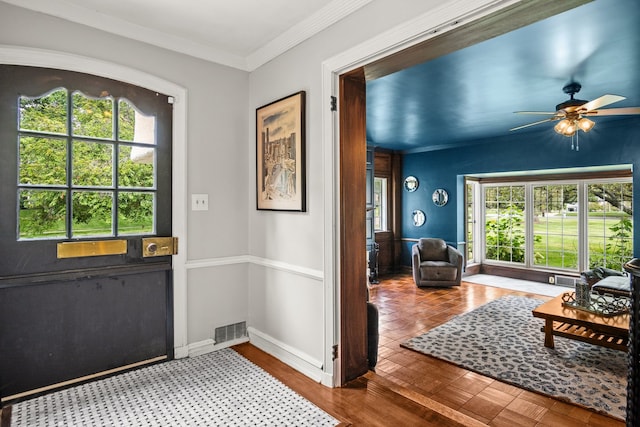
[{"x": 434, "y": 263}]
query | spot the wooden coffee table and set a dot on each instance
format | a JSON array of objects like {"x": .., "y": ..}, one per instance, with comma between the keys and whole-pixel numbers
[{"x": 576, "y": 324}]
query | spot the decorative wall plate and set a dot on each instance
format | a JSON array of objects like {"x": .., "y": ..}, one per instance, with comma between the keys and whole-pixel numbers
[
  {"x": 419, "y": 218},
  {"x": 440, "y": 197},
  {"x": 411, "y": 183}
]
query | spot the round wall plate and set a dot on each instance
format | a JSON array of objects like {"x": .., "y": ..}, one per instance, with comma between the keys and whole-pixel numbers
[
  {"x": 411, "y": 184},
  {"x": 440, "y": 197},
  {"x": 419, "y": 218}
]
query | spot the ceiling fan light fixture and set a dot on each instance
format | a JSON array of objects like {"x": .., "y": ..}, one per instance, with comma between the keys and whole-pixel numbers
[
  {"x": 568, "y": 127},
  {"x": 571, "y": 128},
  {"x": 585, "y": 124},
  {"x": 561, "y": 126}
]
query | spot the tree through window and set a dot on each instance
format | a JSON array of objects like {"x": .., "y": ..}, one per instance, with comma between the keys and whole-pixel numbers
[
  {"x": 86, "y": 166},
  {"x": 562, "y": 225}
]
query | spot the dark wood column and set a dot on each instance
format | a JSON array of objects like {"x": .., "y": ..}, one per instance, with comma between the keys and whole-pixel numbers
[{"x": 633, "y": 379}]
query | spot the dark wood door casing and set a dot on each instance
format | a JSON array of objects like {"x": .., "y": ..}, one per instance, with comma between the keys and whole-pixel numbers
[
  {"x": 388, "y": 164},
  {"x": 353, "y": 274}
]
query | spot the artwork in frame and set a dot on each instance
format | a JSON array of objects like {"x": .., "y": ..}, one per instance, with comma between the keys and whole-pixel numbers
[{"x": 280, "y": 154}]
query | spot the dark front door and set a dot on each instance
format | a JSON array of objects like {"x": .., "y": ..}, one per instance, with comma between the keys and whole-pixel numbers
[{"x": 85, "y": 174}]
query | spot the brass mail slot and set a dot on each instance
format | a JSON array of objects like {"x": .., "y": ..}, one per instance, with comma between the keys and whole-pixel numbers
[
  {"x": 92, "y": 248},
  {"x": 159, "y": 246}
]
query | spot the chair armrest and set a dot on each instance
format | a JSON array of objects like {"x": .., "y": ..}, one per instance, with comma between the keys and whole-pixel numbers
[
  {"x": 415, "y": 253},
  {"x": 589, "y": 277},
  {"x": 606, "y": 272},
  {"x": 415, "y": 263},
  {"x": 594, "y": 276},
  {"x": 455, "y": 256}
]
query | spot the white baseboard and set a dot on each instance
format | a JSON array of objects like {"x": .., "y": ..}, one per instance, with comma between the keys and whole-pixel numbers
[
  {"x": 181, "y": 352},
  {"x": 208, "y": 345},
  {"x": 327, "y": 380},
  {"x": 298, "y": 360}
]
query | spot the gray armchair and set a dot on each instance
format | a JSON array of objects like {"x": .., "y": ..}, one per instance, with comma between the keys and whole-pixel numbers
[{"x": 435, "y": 263}]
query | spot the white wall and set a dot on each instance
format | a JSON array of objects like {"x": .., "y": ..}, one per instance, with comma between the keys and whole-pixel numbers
[{"x": 214, "y": 303}]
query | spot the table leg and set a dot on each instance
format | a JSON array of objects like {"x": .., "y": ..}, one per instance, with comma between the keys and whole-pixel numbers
[{"x": 548, "y": 333}]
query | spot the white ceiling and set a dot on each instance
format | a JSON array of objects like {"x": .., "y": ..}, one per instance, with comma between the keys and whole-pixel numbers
[{"x": 242, "y": 34}]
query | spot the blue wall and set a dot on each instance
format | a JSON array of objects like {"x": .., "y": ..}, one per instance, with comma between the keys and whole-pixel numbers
[{"x": 610, "y": 142}]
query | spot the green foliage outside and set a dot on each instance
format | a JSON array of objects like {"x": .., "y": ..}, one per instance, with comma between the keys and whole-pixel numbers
[
  {"x": 554, "y": 243},
  {"x": 619, "y": 248},
  {"x": 505, "y": 237},
  {"x": 43, "y": 163},
  {"x": 555, "y": 227}
]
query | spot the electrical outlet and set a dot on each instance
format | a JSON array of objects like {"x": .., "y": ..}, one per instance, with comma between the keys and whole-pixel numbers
[
  {"x": 552, "y": 280},
  {"x": 199, "y": 202}
]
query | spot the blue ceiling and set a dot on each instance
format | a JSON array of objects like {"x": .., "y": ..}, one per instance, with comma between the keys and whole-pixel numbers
[{"x": 469, "y": 96}]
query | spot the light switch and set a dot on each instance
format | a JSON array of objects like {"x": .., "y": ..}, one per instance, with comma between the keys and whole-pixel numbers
[{"x": 199, "y": 202}]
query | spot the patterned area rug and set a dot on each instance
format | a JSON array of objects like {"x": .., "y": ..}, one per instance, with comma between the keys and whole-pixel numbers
[
  {"x": 502, "y": 340},
  {"x": 221, "y": 388}
]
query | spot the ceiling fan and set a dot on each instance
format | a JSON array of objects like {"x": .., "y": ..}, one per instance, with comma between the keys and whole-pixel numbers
[{"x": 572, "y": 114}]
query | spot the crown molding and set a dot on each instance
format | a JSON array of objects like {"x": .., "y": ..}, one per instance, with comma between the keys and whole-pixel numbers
[
  {"x": 120, "y": 27},
  {"x": 321, "y": 20},
  {"x": 325, "y": 17}
]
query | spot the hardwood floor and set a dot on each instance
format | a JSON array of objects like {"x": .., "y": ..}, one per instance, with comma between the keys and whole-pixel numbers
[
  {"x": 412, "y": 389},
  {"x": 407, "y": 311},
  {"x": 369, "y": 400}
]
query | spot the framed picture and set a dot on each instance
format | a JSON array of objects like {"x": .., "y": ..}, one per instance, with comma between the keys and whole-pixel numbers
[{"x": 280, "y": 154}]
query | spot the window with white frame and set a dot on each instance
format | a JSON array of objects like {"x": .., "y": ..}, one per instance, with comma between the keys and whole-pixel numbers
[
  {"x": 569, "y": 225},
  {"x": 555, "y": 226},
  {"x": 504, "y": 223},
  {"x": 380, "y": 204},
  {"x": 610, "y": 223},
  {"x": 471, "y": 189}
]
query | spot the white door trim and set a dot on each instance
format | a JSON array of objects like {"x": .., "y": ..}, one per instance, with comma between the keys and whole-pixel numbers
[
  {"x": 444, "y": 18},
  {"x": 18, "y": 55}
]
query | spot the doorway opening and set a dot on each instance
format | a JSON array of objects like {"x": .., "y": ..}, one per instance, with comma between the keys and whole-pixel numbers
[{"x": 350, "y": 256}]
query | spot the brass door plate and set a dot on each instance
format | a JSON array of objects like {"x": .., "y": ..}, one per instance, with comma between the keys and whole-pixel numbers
[
  {"x": 159, "y": 246},
  {"x": 91, "y": 248}
]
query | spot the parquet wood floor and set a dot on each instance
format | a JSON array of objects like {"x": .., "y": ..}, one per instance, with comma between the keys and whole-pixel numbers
[{"x": 407, "y": 311}]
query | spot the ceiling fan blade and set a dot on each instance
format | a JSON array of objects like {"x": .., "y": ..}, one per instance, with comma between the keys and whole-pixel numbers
[
  {"x": 625, "y": 111},
  {"x": 601, "y": 102},
  {"x": 541, "y": 113},
  {"x": 534, "y": 123}
]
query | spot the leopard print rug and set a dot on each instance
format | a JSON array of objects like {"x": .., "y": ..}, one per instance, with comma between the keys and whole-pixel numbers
[{"x": 503, "y": 340}]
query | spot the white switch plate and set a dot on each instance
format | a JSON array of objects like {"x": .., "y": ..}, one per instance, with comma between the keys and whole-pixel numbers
[{"x": 199, "y": 202}]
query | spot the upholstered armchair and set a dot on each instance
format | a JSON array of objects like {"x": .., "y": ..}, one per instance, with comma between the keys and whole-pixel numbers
[
  {"x": 435, "y": 263},
  {"x": 607, "y": 281}
]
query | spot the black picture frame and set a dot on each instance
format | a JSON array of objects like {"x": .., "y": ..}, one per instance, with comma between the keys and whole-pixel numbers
[{"x": 280, "y": 154}]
